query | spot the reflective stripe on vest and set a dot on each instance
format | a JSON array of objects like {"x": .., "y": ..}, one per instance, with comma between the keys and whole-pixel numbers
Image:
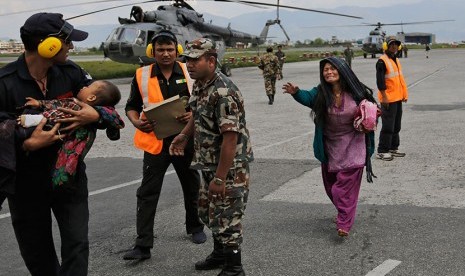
[
  {"x": 396, "y": 89},
  {"x": 150, "y": 91}
]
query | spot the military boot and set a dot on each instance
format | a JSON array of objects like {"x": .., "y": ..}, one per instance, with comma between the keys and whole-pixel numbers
[
  {"x": 233, "y": 264},
  {"x": 214, "y": 260},
  {"x": 270, "y": 99}
]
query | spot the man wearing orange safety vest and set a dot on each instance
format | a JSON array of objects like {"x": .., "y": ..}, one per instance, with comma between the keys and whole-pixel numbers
[
  {"x": 151, "y": 84},
  {"x": 392, "y": 92}
]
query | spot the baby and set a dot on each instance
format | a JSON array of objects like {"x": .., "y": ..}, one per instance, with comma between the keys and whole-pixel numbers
[
  {"x": 99, "y": 93},
  {"x": 103, "y": 96}
]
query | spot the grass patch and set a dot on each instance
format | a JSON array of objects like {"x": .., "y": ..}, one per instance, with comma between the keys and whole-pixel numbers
[
  {"x": 235, "y": 59},
  {"x": 108, "y": 69}
]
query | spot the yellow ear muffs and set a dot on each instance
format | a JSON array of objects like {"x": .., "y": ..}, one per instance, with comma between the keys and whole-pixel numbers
[
  {"x": 180, "y": 49},
  {"x": 399, "y": 48},
  {"x": 385, "y": 46},
  {"x": 149, "y": 51},
  {"x": 49, "y": 47}
]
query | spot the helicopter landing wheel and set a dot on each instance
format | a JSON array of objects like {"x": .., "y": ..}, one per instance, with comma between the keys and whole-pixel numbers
[
  {"x": 225, "y": 69},
  {"x": 364, "y": 55}
]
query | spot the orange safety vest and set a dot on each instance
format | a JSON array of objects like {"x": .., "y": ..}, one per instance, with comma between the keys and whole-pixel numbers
[
  {"x": 396, "y": 89},
  {"x": 151, "y": 93}
]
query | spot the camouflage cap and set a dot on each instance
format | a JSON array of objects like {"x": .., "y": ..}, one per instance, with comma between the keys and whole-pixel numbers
[
  {"x": 393, "y": 39},
  {"x": 199, "y": 47}
]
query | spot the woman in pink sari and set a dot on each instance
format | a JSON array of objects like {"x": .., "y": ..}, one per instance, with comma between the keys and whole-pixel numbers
[{"x": 342, "y": 150}]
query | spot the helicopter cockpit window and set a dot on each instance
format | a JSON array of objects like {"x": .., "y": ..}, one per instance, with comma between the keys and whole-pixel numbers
[
  {"x": 128, "y": 35},
  {"x": 114, "y": 35},
  {"x": 141, "y": 38}
]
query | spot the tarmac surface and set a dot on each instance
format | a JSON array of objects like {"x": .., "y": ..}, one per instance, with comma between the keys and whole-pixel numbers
[{"x": 410, "y": 221}]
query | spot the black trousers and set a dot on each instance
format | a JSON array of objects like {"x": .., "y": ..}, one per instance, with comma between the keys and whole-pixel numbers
[
  {"x": 391, "y": 118},
  {"x": 31, "y": 213},
  {"x": 148, "y": 193}
]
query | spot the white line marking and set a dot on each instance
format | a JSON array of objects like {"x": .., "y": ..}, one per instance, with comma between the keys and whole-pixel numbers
[
  {"x": 7, "y": 215},
  {"x": 384, "y": 268},
  {"x": 283, "y": 142},
  {"x": 104, "y": 190},
  {"x": 427, "y": 77}
]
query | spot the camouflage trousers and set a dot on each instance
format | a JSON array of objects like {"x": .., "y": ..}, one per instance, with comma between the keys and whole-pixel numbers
[
  {"x": 281, "y": 69},
  {"x": 224, "y": 217},
  {"x": 270, "y": 85}
]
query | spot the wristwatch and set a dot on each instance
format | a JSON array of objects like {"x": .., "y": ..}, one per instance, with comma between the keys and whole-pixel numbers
[{"x": 218, "y": 181}]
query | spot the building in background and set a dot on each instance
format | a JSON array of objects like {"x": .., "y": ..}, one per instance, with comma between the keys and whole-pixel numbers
[
  {"x": 11, "y": 46},
  {"x": 417, "y": 38}
]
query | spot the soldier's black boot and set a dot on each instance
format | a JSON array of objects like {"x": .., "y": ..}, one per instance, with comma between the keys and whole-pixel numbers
[
  {"x": 213, "y": 261},
  {"x": 270, "y": 99},
  {"x": 233, "y": 264}
]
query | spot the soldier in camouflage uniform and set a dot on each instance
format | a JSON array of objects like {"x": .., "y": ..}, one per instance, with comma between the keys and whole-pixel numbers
[
  {"x": 269, "y": 63},
  {"x": 281, "y": 58},
  {"x": 222, "y": 152}
]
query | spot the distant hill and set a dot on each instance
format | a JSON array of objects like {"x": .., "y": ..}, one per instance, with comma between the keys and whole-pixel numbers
[
  {"x": 97, "y": 34},
  {"x": 301, "y": 25}
]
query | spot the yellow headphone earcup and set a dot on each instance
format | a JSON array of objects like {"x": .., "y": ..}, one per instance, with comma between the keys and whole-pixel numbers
[
  {"x": 180, "y": 49},
  {"x": 385, "y": 46},
  {"x": 49, "y": 47},
  {"x": 149, "y": 51},
  {"x": 399, "y": 48}
]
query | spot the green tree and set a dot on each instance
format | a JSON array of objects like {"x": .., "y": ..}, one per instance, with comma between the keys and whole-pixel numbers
[{"x": 318, "y": 41}]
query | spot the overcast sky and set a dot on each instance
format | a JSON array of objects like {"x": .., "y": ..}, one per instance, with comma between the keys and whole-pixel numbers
[{"x": 10, "y": 24}]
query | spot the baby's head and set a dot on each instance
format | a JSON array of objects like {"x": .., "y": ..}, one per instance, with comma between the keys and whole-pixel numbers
[{"x": 101, "y": 92}]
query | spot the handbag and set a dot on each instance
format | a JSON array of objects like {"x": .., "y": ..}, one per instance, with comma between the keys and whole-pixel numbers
[{"x": 366, "y": 116}]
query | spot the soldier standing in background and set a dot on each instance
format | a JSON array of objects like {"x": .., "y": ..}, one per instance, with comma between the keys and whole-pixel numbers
[
  {"x": 222, "y": 152},
  {"x": 269, "y": 63},
  {"x": 348, "y": 55},
  {"x": 405, "y": 49},
  {"x": 281, "y": 58}
]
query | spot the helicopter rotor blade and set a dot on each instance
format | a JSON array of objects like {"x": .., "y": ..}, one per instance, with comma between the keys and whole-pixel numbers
[
  {"x": 290, "y": 7},
  {"x": 107, "y": 9},
  {"x": 239, "y": 2},
  {"x": 60, "y": 6},
  {"x": 250, "y": 3},
  {"x": 382, "y": 24},
  {"x": 417, "y": 22}
]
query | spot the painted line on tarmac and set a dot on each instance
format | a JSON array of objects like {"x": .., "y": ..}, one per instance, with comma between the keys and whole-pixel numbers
[
  {"x": 283, "y": 142},
  {"x": 119, "y": 186},
  {"x": 384, "y": 268},
  {"x": 426, "y": 77},
  {"x": 7, "y": 215},
  {"x": 104, "y": 190}
]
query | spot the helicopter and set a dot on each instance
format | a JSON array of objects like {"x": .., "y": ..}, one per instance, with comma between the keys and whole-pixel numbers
[
  {"x": 373, "y": 43},
  {"x": 127, "y": 43}
]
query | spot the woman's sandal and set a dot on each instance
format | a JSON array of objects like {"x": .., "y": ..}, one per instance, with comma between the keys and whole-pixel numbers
[{"x": 342, "y": 233}]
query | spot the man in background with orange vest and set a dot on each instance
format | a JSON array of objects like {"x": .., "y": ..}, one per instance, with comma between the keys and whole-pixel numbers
[
  {"x": 392, "y": 92},
  {"x": 151, "y": 84}
]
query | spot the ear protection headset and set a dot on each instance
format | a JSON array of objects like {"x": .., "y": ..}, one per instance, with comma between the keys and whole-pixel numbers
[
  {"x": 51, "y": 45},
  {"x": 149, "y": 50},
  {"x": 386, "y": 46}
]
